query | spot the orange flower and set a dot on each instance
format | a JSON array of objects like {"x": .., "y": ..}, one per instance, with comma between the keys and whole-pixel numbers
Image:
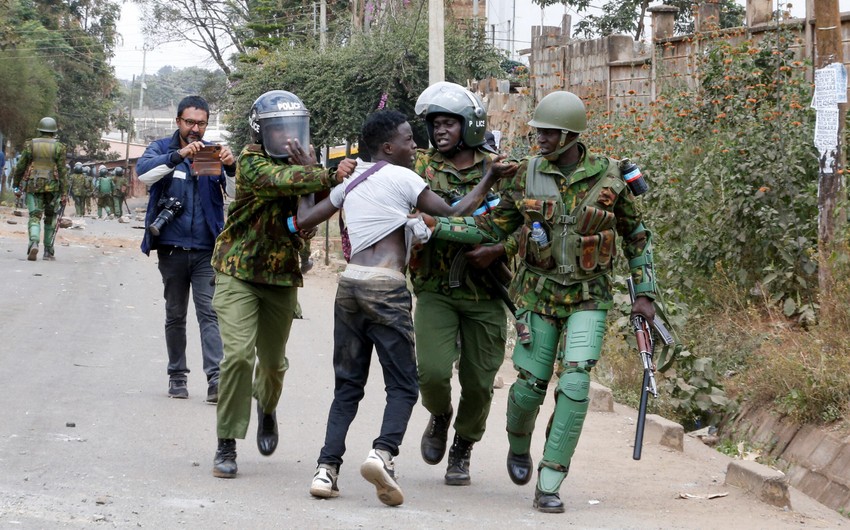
[{"x": 764, "y": 189}]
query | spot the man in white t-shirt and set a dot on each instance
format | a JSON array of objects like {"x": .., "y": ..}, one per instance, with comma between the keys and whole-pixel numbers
[{"x": 372, "y": 307}]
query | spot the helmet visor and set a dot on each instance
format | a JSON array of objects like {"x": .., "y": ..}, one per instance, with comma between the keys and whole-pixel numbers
[
  {"x": 277, "y": 130},
  {"x": 448, "y": 98}
]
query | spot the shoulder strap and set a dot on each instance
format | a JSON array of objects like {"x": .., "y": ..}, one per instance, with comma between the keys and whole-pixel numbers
[{"x": 363, "y": 176}]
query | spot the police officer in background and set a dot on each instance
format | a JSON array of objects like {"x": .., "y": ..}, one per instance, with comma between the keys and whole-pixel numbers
[
  {"x": 41, "y": 174},
  {"x": 564, "y": 283},
  {"x": 78, "y": 189},
  {"x": 119, "y": 191}
]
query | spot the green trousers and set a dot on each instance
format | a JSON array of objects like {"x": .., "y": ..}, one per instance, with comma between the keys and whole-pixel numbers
[
  {"x": 438, "y": 322},
  {"x": 42, "y": 205},
  {"x": 254, "y": 321}
]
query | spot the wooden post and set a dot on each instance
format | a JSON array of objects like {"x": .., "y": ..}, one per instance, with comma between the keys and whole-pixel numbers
[{"x": 831, "y": 191}]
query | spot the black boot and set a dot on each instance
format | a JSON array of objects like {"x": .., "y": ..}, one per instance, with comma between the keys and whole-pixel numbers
[
  {"x": 547, "y": 502},
  {"x": 433, "y": 445},
  {"x": 457, "y": 473},
  {"x": 266, "y": 431},
  {"x": 224, "y": 465},
  {"x": 519, "y": 467}
]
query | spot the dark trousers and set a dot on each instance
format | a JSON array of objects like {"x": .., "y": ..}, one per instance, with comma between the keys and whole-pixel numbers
[
  {"x": 181, "y": 271},
  {"x": 371, "y": 313}
]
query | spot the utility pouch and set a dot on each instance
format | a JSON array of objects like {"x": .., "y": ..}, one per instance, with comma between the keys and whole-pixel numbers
[
  {"x": 588, "y": 245},
  {"x": 607, "y": 247},
  {"x": 592, "y": 220}
]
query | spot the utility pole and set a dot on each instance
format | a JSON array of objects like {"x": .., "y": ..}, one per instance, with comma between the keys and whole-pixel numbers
[
  {"x": 831, "y": 109},
  {"x": 323, "y": 25},
  {"x": 436, "y": 41},
  {"x": 129, "y": 130}
]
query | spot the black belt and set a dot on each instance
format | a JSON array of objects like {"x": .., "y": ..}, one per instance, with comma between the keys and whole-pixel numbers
[{"x": 173, "y": 248}]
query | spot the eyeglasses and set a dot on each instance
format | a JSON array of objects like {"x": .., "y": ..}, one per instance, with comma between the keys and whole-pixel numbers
[{"x": 191, "y": 123}]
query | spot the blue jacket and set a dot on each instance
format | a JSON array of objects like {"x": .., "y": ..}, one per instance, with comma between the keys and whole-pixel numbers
[{"x": 202, "y": 216}]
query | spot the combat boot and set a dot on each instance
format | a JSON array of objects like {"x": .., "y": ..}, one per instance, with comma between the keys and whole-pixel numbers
[
  {"x": 433, "y": 446},
  {"x": 519, "y": 467},
  {"x": 49, "y": 255},
  {"x": 457, "y": 472},
  {"x": 224, "y": 465},
  {"x": 267, "y": 433},
  {"x": 32, "y": 251},
  {"x": 547, "y": 502}
]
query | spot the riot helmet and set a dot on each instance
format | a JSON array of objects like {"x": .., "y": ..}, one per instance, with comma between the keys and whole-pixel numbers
[
  {"x": 86, "y": 171},
  {"x": 47, "y": 125},
  {"x": 277, "y": 116},
  {"x": 102, "y": 171},
  {"x": 450, "y": 98},
  {"x": 78, "y": 167},
  {"x": 564, "y": 111},
  {"x": 119, "y": 171}
]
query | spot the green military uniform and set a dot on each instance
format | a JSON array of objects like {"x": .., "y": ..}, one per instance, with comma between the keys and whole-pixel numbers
[
  {"x": 89, "y": 190},
  {"x": 78, "y": 190},
  {"x": 258, "y": 272},
  {"x": 444, "y": 310},
  {"x": 103, "y": 191},
  {"x": 562, "y": 291},
  {"x": 42, "y": 175},
  {"x": 119, "y": 192}
]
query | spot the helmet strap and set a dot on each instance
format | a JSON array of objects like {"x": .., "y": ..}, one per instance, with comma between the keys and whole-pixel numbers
[{"x": 563, "y": 146}]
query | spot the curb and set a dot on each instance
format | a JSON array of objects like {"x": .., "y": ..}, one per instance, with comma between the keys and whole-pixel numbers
[{"x": 768, "y": 484}]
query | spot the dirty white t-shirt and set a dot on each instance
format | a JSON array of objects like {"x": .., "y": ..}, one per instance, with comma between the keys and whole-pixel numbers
[{"x": 379, "y": 204}]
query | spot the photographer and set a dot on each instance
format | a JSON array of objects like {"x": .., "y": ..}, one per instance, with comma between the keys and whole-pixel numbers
[{"x": 187, "y": 214}]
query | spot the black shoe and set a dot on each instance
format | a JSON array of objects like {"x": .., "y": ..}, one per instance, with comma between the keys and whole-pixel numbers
[
  {"x": 519, "y": 467},
  {"x": 457, "y": 473},
  {"x": 177, "y": 389},
  {"x": 547, "y": 502},
  {"x": 212, "y": 393},
  {"x": 433, "y": 446},
  {"x": 267, "y": 436},
  {"x": 48, "y": 255},
  {"x": 224, "y": 465}
]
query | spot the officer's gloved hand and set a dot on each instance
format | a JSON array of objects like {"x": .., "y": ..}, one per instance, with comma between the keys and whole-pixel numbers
[{"x": 644, "y": 307}]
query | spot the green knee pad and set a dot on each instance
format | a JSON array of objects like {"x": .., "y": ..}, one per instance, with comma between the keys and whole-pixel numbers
[
  {"x": 537, "y": 357},
  {"x": 568, "y": 418},
  {"x": 524, "y": 400}
]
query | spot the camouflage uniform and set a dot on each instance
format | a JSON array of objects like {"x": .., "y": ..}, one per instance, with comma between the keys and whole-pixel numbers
[
  {"x": 42, "y": 175},
  {"x": 444, "y": 313},
  {"x": 119, "y": 191},
  {"x": 79, "y": 189},
  {"x": 258, "y": 271},
  {"x": 549, "y": 297}
]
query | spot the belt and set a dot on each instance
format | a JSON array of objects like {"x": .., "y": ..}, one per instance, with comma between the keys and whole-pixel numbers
[{"x": 173, "y": 248}]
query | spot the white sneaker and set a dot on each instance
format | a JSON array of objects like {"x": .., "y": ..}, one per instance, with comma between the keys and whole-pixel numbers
[
  {"x": 379, "y": 469},
  {"x": 324, "y": 482}
]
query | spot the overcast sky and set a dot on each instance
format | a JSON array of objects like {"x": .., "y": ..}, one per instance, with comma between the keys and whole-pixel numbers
[{"x": 129, "y": 56}]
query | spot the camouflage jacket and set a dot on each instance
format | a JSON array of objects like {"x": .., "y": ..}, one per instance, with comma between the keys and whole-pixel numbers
[
  {"x": 119, "y": 186},
  {"x": 57, "y": 179},
  {"x": 80, "y": 186},
  {"x": 514, "y": 216},
  {"x": 430, "y": 265},
  {"x": 255, "y": 245}
]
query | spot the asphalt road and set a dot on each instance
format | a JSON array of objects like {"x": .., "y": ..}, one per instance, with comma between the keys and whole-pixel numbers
[{"x": 88, "y": 437}]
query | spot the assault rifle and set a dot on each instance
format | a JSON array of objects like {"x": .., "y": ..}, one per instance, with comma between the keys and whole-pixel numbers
[{"x": 646, "y": 348}]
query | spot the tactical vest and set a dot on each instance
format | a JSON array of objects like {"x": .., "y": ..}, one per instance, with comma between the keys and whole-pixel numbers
[
  {"x": 582, "y": 241},
  {"x": 42, "y": 175}
]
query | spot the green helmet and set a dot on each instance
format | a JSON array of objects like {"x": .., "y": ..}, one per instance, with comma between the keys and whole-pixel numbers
[
  {"x": 102, "y": 171},
  {"x": 86, "y": 170},
  {"x": 78, "y": 167},
  {"x": 560, "y": 110},
  {"x": 47, "y": 124},
  {"x": 450, "y": 98},
  {"x": 119, "y": 171}
]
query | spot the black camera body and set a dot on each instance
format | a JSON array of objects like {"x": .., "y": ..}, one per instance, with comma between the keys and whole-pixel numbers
[{"x": 169, "y": 208}]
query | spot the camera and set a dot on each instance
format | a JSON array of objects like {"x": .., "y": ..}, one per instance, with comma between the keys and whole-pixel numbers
[{"x": 169, "y": 208}]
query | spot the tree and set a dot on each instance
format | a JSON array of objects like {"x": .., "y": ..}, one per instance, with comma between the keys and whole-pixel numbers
[
  {"x": 55, "y": 56},
  {"x": 216, "y": 26},
  {"x": 627, "y": 16}
]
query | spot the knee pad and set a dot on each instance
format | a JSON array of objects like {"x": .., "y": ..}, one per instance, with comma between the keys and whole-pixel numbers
[
  {"x": 568, "y": 418},
  {"x": 537, "y": 356}
]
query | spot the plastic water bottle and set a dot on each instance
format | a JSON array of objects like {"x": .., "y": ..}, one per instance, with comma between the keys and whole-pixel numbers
[{"x": 539, "y": 235}]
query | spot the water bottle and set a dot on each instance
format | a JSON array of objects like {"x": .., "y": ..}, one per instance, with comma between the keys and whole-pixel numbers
[
  {"x": 539, "y": 235},
  {"x": 634, "y": 177}
]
